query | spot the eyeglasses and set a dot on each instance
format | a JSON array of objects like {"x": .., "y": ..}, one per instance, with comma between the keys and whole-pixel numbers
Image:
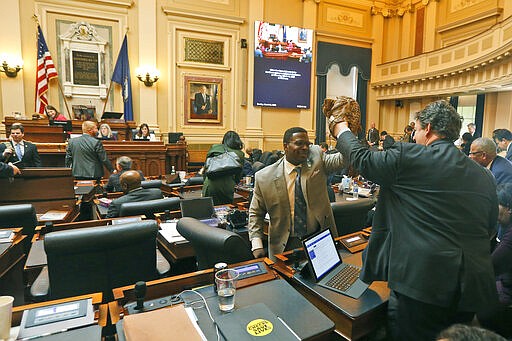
[{"x": 474, "y": 153}]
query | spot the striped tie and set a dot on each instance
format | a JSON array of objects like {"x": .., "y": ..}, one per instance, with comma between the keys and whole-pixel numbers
[
  {"x": 300, "y": 209},
  {"x": 18, "y": 151}
]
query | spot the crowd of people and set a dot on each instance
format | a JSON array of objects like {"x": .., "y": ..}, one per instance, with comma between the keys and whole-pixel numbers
[{"x": 441, "y": 233}]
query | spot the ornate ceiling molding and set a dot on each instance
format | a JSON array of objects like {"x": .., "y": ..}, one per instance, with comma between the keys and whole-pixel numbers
[
  {"x": 482, "y": 63},
  {"x": 392, "y": 11}
]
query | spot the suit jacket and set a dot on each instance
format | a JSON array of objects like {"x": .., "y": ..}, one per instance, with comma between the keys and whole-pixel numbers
[
  {"x": 86, "y": 156},
  {"x": 199, "y": 102},
  {"x": 373, "y": 135},
  {"x": 5, "y": 170},
  {"x": 433, "y": 219},
  {"x": 501, "y": 168},
  {"x": 30, "y": 157},
  {"x": 113, "y": 184},
  {"x": 138, "y": 194},
  {"x": 509, "y": 153},
  {"x": 270, "y": 195}
]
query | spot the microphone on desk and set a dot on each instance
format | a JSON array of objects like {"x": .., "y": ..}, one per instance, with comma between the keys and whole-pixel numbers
[{"x": 140, "y": 292}]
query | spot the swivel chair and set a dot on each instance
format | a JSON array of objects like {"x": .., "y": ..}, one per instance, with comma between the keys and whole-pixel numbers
[
  {"x": 149, "y": 207},
  {"x": 151, "y": 183},
  {"x": 19, "y": 215},
  {"x": 97, "y": 259},
  {"x": 351, "y": 216},
  {"x": 195, "y": 180},
  {"x": 213, "y": 245}
]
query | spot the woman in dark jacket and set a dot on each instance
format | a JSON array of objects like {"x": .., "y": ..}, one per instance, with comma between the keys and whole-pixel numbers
[{"x": 222, "y": 189}]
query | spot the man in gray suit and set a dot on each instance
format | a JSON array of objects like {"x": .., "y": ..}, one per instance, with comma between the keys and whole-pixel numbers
[
  {"x": 133, "y": 191},
  {"x": 430, "y": 233},
  {"x": 86, "y": 155},
  {"x": 274, "y": 193}
]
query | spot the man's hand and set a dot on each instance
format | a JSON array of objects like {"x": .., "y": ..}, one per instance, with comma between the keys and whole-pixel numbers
[
  {"x": 7, "y": 152},
  {"x": 15, "y": 169},
  {"x": 258, "y": 253},
  {"x": 342, "y": 109}
]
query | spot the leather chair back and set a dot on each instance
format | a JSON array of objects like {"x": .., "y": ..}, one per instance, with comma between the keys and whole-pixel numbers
[
  {"x": 19, "y": 215},
  {"x": 351, "y": 216},
  {"x": 195, "y": 180},
  {"x": 151, "y": 183},
  {"x": 149, "y": 207},
  {"x": 213, "y": 245},
  {"x": 98, "y": 259}
]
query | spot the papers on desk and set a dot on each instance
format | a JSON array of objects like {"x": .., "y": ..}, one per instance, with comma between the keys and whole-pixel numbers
[
  {"x": 53, "y": 215},
  {"x": 363, "y": 192},
  {"x": 6, "y": 236},
  {"x": 169, "y": 232}
]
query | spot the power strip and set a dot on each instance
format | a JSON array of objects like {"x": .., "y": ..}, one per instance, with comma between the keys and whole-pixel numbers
[{"x": 157, "y": 303}]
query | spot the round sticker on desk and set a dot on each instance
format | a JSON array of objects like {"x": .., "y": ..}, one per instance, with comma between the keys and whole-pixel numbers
[{"x": 259, "y": 327}]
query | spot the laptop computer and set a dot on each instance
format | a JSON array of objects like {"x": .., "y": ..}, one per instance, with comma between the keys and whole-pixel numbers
[
  {"x": 201, "y": 209},
  {"x": 327, "y": 267}
]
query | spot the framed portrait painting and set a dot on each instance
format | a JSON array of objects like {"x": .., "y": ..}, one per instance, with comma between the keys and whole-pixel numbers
[{"x": 203, "y": 100}]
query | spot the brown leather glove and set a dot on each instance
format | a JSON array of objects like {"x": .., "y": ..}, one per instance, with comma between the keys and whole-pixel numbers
[{"x": 341, "y": 109}]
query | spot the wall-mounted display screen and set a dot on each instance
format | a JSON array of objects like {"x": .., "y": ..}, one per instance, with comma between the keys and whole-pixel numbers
[{"x": 282, "y": 66}]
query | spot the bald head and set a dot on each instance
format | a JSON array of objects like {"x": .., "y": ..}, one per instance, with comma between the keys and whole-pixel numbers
[
  {"x": 89, "y": 127},
  {"x": 130, "y": 180}
]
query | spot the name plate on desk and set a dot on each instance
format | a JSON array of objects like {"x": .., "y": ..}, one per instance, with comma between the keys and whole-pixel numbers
[
  {"x": 354, "y": 242},
  {"x": 56, "y": 318}
]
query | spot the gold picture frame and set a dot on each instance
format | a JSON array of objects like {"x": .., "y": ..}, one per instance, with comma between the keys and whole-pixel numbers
[{"x": 203, "y": 100}]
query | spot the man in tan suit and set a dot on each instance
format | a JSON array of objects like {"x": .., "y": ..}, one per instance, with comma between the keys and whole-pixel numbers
[{"x": 274, "y": 193}]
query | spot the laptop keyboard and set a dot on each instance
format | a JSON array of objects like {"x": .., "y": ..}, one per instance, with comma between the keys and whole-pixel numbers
[{"x": 345, "y": 278}]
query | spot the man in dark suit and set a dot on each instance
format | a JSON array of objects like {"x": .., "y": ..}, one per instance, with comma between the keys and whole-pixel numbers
[
  {"x": 8, "y": 170},
  {"x": 202, "y": 101},
  {"x": 123, "y": 164},
  {"x": 430, "y": 235},
  {"x": 86, "y": 155},
  {"x": 17, "y": 149},
  {"x": 372, "y": 137},
  {"x": 503, "y": 138},
  {"x": 133, "y": 191},
  {"x": 483, "y": 151}
]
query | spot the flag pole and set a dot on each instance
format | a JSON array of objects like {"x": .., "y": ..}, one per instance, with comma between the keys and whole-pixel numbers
[{"x": 106, "y": 99}]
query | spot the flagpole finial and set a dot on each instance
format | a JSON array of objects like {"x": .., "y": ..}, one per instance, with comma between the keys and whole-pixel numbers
[{"x": 36, "y": 19}]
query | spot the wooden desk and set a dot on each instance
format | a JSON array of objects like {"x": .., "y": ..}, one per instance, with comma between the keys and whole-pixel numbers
[
  {"x": 123, "y": 128},
  {"x": 267, "y": 288},
  {"x": 12, "y": 257},
  {"x": 100, "y": 315},
  {"x": 37, "y": 130},
  {"x": 354, "y": 319}
]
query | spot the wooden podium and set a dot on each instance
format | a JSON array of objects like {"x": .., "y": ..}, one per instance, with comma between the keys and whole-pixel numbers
[{"x": 46, "y": 188}]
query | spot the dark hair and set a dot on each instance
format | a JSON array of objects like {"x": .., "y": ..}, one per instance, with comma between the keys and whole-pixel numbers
[
  {"x": 505, "y": 195},
  {"x": 500, "y": 134},
  {"x": 232, "y": 140},
  {"x": 324, "y": 145},
  {"x": 407, "y": 128},
  {"x": 443, "y": 118},
  {"x": 467, "y": 137},
  {"x": 287, "y": 137},
  {"x": 18, "y": 126},
  {"x": 382, "y": 133},
  {"x": 139, "y": 133}
]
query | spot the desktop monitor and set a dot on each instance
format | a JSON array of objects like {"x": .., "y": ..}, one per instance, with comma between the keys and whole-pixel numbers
[
  {"x": 174, "y": 137},
  {"x": 111, "y": 115},
  {"x": 66, "y": 125}
]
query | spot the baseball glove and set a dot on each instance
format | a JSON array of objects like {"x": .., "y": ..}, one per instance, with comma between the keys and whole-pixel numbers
[{"x": 341, "y": 109}]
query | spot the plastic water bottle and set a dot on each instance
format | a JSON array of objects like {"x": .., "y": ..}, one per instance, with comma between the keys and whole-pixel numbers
[
  {"x": 173, "y": 170},
  {"x": 355, "y": 191}
]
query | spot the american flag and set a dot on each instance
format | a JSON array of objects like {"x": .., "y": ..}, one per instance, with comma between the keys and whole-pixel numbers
[{"x": 45, "y": 71}]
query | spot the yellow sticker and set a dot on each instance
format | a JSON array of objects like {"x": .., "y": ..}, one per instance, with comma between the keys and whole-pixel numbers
[{"x": 259, "y": 327}]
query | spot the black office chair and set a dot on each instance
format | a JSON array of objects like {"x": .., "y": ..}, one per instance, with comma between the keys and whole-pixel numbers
[
  {"x": 351, "y": 216},
  {"x": 149, "y": 207},
  {"x": 97, "y": 259},
  {"x": 213, "y": 245},
  {"x": 151, "y": 184},
  {"x": 19, "y": 215},
  {"x": 195, "y": 180}
]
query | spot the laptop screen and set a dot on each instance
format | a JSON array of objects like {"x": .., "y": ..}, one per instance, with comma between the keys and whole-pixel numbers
[
  {"x": 199, "y": 208},
  {"x": 321, "y": 253}
]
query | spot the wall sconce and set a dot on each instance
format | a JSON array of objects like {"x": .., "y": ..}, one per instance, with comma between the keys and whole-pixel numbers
[
  {"x": 147, "y": 75},
  {"x": 10, "y": 68}
]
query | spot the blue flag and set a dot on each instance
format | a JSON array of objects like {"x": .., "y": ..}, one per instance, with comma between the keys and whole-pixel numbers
[{"x": 121, "y": 76}]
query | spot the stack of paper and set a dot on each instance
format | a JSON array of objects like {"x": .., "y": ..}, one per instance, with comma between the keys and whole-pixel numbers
[
  {"x": 6, "y": 236},
  {"x": 169, "y": 232}
]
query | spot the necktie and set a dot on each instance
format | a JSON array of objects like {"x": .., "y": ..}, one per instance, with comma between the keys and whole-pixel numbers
[
  {"x": 18, "y": 151},
  {"x": 300, "y": 208}
]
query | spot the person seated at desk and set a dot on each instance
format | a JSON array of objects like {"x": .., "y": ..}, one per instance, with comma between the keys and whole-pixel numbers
[
  {"x": 105, "y": 133},
  {"x": 53, "y": 114},
  {"x": 131, "y": 184},
  {"x": 123, "y": 164},
  {"x": 298, "y": 180},
  {"x": 8, "y": 170},
  {"x": 17, "y": 149},
  {"x": 144, "y": 133}
]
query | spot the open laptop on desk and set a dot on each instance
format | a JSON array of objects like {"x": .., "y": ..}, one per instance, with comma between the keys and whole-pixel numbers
[
  {"x": 201, "y": 209},
  {"x": 327, "y": 267}
]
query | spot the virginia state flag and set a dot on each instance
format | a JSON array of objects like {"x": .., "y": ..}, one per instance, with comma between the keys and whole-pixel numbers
[{"x": 121, "y": 76}]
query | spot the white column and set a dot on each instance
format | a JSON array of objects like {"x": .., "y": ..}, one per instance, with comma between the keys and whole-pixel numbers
[
  {"x": 147, "y": 56},
  {"x": 11, "y": 89}
]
